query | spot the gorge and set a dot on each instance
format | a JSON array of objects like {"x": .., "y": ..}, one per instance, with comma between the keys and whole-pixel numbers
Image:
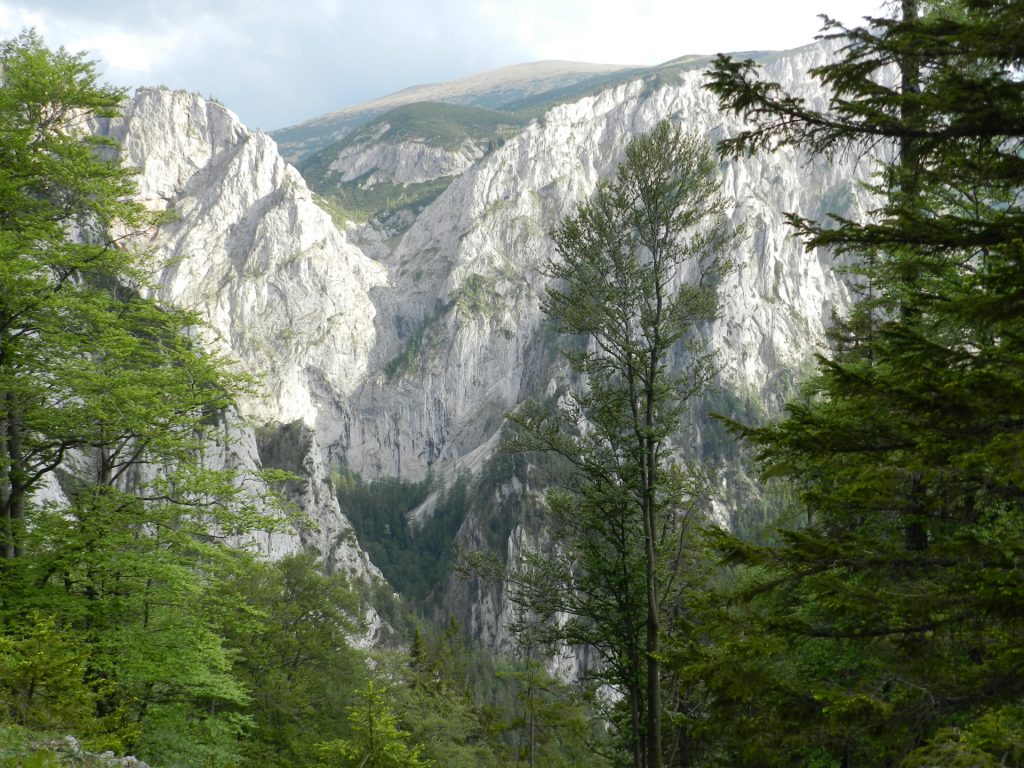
[{"x": 394, "y": 339}]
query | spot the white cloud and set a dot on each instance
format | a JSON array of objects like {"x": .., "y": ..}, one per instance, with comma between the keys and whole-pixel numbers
[
  {"x": 278, "y": 62},
  {"x": 129, "y": 52},
  {"x": 653, "y": 31},
  {"x": 13, "y": 20}
]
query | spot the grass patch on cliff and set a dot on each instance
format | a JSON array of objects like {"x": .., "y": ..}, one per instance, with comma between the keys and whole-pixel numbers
[
  {"x": 447, "y": 126},
  {"x": 338, "y": 213},
  {"x": 408, "y": 360},
  {"x": 478, "y": 297}
]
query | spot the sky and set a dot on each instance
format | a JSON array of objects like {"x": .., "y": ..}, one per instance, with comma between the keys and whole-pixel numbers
[{"x": 277, "y": 63}]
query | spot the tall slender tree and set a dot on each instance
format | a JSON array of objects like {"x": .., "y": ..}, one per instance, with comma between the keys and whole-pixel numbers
[{"x": 635, "y": 278}]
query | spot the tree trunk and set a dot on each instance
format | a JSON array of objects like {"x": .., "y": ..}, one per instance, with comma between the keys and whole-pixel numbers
[
  {"x": 915, "y": 534},
  {"x": 653, "y": 632},
  {"x": 650, "y": 460},
  {"x": 6, "y": 530},
  {"x": 637, "y": 726},
  {"x": 15, "y": 489}
]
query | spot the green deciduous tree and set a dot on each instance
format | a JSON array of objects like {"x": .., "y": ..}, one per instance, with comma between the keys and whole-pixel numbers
[
  {"x": 291, "y": 642},
  {"x": 376, "y": 741},
  {"x": 634, "y": 280},
  {"x": 108, "y": 402},
  {"x": 907, "y": 445},
  {"x": 55, "y": 288}
]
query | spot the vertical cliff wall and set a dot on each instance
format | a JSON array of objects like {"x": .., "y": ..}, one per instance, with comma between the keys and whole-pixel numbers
[{"x": 394, "y": 347}]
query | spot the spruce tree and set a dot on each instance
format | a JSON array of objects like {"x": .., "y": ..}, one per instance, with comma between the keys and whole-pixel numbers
[
  {"x": 906, "y": 447},
  {"x": 376, "y": 740}
]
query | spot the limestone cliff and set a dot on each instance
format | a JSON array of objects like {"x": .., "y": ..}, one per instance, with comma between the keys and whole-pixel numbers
[
  {"x": 393, "y": 347},
  {"x": 282, "y": 289},
  {"x": 460, "y": 337}
]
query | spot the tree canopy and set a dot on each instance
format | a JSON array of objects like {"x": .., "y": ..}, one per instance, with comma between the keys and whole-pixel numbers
[
  {"x": 904, "y": 584},
  {"x": 111, "y": 519},
  {"x": 634, "y": 282}
]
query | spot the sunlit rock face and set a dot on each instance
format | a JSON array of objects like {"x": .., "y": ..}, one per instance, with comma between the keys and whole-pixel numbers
[
  {"x": 283, "y": 291},
  {"x": 373, "y": 161},
  {"x": 460, "y": 336},
  {"x": 279, "y": 284},
  {"x": 395, "y": 347}
]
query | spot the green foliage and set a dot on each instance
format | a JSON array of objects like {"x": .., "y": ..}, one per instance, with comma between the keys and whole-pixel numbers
[
  {"x": 624, "y": 526},
  {"x": 290, "y": 641},
  {"x": 436, "y": 706},
  {"x": 414, "y": 558},
  {"x": 376, "y": 740},
  {"x": 904, "y": 579},
  {"x": 550, "y": 726},
  {"x": 498, "y": 511},
  {"x": 447, "y": 126},
  {"x": 477, "y": 297},
  {"x": 465, "y": 709},
  {"x": 53, "y": 305},
  {"x": 358, "y": 201},
  {"x": 43, "y": 677},
  {"x": 20, "y": 748},
  {"x": 143, "y": 600},
  {"x": 110, "y": 397}
]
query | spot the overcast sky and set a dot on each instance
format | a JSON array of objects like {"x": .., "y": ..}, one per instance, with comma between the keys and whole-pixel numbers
[{"x": 279, "y": 62}]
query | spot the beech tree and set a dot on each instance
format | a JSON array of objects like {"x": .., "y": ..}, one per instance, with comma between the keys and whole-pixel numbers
[
  {"x": 53, "y": 180},
  {"x": 291, "y": 643},
  {"x": 906, "y": 447},
  {"x": 634, "y": 280},
  {"x": 111, "y": 526}
]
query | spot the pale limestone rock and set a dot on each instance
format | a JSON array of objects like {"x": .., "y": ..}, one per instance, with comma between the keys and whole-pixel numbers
[
  {"x": 461, "y": 314},
  {"x": 406, "y": 162},
  {"x": 413, "y": 375},
  {"x": 279, "y": 284},
  {"x": 282, "y": 289}
]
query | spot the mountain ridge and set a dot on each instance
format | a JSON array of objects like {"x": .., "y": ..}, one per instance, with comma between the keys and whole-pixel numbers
[
  {"x": 527, "y": 89},
  {"x": 400, "y": 340},
  {"x": 483, "y": 89}
]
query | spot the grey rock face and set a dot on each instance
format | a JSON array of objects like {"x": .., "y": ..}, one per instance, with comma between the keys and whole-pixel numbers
[
  {"x": 460, "y": 333},
  {"x": 404, "y": 364},
  {"x": 282, "y": 289},
  {"x": 406, "y": 162}
]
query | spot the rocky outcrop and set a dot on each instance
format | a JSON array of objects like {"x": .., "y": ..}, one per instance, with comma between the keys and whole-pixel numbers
[
  {"x": 282, "y": 289},
  {"x": 407, "y": 162},
  {"x": 280, "y": 285},
  {"x": 404, "y": 364}
]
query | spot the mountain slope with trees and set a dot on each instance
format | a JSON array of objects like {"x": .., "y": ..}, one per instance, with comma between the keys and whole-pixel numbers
[{"x": 877, "y": 623}]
